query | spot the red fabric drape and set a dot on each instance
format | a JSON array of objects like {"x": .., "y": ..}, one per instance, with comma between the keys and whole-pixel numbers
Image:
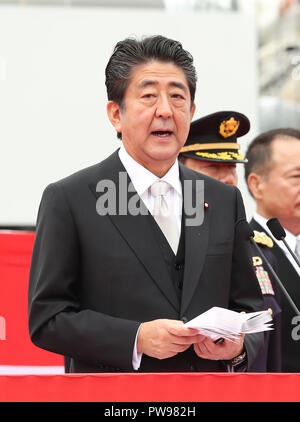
[
  {"x": 17, "y": 348},
  {"x": 152, "y": 387}
]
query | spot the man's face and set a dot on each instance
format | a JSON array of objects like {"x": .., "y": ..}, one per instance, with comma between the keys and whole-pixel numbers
[
  {"x": 225, "y": 172},
  {"x": 278, "y": 192},
  {"x": 156, "y": 116}
]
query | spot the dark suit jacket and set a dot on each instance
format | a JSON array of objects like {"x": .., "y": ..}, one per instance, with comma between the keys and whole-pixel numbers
[
  {"x": 290, "y": 349},
  {"x": 269, "y": 357},
  {"x": 94, "y": 279}
]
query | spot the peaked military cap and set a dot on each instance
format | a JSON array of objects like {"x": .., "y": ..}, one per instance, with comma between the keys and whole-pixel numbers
[{"x": 214, "y": 137}]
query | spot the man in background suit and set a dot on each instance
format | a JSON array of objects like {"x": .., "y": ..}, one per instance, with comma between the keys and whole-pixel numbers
[
  {"x": 126, "y": 250},
  {"x": 212, "y": 149},
  {"x": 273, "y": 176}
]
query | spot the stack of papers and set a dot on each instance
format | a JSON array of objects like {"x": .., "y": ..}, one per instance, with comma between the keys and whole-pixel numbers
[{"x": 222, "y": 323}]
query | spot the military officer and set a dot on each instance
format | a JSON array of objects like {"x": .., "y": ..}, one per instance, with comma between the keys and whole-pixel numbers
[{"x": 212, "y": 149}]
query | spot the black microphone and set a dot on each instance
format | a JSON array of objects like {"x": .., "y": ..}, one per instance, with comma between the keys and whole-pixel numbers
[
  {"x": 279, "y": 233},
  {"x": 248, "y": 234}
]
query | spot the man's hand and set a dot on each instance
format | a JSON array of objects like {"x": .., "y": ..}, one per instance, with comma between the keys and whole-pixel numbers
[
  {"x": 164, "y": 338},
  {"x": 227, "y": 350}
]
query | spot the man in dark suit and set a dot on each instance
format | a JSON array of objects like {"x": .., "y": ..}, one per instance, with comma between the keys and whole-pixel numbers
[
  {"x": 273, "y": 176},
  {"x": 212, "y": 149},
  {"x": 129, "y": 249}
]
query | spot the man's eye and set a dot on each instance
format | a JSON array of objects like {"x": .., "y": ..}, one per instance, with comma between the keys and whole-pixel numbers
[
  {"x": 148, "y": 95},
  {"x": 178, "y": 96}
]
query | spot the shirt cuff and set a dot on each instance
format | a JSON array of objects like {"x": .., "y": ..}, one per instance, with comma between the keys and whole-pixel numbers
[{"x": 136, "y": 357}]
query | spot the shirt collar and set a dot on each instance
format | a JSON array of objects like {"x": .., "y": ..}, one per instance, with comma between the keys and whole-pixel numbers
[{"x": 142, "y": 178}]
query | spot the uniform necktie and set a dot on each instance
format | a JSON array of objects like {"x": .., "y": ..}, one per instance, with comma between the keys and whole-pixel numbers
[
  {"x": 297, "y": 250},
  {"x": 163, "y": 213}
]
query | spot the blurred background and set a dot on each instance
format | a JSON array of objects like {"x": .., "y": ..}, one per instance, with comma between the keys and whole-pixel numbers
[{"x": 52, "y": 94}]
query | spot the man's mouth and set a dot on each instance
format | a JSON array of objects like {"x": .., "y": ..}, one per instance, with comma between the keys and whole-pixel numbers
[{"x": 162, "y": 133}]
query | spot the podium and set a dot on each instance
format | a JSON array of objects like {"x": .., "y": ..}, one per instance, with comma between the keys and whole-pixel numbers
[{"x": 163, "y": 388}]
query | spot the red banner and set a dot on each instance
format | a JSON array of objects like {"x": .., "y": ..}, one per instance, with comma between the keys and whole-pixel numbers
[
  {"x": 16, "y": 347},
  {"x": 151, "y": 388}
]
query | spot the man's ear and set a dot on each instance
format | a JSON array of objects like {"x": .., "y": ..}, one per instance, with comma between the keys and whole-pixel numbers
[
  {"x": 193, "y": 110},
  {"x": 114, "y": 115},
  {"x": 255, "y": 184}
]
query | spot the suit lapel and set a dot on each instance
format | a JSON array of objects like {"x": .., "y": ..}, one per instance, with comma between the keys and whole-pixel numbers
[
  {"x": 137, "y": 231},
  {"x": 196, "y": 240}
]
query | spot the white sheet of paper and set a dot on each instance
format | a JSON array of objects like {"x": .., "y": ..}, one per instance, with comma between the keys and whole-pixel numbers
[{"x": 220, "y": 322}]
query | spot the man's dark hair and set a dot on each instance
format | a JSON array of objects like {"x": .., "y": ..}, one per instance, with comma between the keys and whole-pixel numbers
[
  {"x": 259, "y": 153},
  {"x": 132, "y": 52}
]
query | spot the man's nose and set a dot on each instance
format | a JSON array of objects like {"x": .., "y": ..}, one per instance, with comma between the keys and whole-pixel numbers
[
  {"x": 228, "y": 178},
  {"x": 164, "y": 108}
]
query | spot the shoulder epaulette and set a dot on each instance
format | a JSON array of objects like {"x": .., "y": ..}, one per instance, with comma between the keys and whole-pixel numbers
[{"x": 263, "y": 239}]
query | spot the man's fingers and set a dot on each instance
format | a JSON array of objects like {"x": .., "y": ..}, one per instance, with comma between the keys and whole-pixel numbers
[
  {"x": 179, "y": 334},
  {"x": 187, "y": 339},
  {"x": 211, "y": 347},
  {"x": 201, "y": 349},
  {"x": 179, "y": 329},
  {"x": 165, "y": 338},
  {"x": 184, "y": 335},
  {"x": 207, "y": 349}
]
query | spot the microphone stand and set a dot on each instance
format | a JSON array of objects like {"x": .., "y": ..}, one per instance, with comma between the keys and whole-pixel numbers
[{"x": 290, "y": 251}]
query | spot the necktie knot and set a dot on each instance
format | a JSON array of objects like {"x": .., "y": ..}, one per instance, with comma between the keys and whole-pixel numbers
[{"x": 160, "y": 188}]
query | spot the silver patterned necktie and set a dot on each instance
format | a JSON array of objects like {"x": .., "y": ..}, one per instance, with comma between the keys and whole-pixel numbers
[{"x": 163, "y": 213}]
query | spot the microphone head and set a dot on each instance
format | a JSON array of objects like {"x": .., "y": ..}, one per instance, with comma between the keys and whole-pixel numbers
[
  {"x": 276, "y": 228},
  {"x": 245, "y": 229}
]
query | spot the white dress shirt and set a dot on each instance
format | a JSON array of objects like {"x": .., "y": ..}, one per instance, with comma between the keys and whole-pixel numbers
[
  {"x": 142, "y": 179},
  {"x": 290, "y": 238}
]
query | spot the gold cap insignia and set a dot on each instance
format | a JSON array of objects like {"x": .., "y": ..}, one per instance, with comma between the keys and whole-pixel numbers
[
  {"x": 229, "y": 127},
  {"x": 224, "y": 155}
]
